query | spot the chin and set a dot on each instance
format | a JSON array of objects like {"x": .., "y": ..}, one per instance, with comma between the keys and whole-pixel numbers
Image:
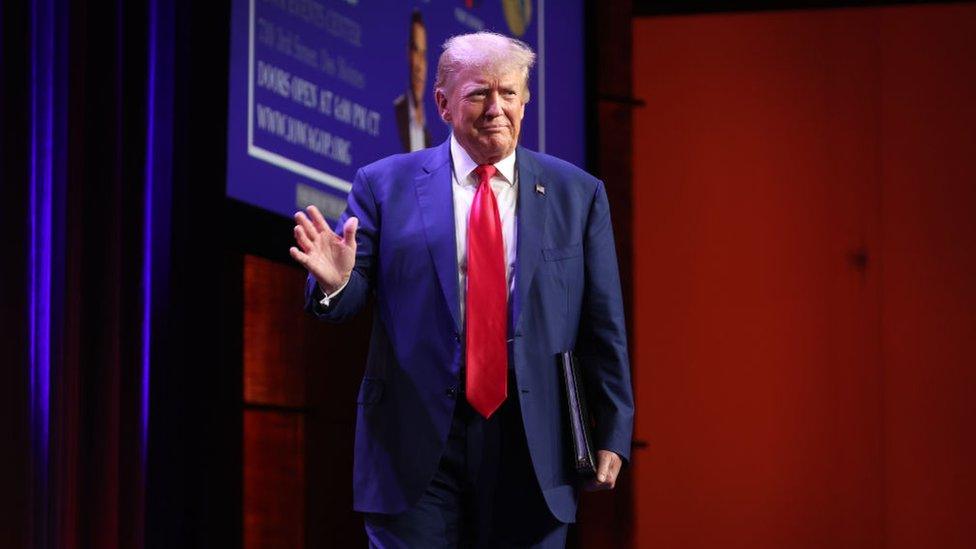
[
  {"x": 496, "y": 149},
  {"x": 497, "y": 142}
]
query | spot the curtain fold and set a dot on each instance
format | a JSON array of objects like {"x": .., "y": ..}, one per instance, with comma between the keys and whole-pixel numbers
[
  {"x": 77, "y": 286},
  {"x": 121, "y": 304}
]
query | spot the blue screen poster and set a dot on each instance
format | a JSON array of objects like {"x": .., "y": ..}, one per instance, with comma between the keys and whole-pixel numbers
[{"x": 320, "y": 88}]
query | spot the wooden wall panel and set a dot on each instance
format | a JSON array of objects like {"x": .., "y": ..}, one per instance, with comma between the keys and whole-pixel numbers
[
  {"x": 301, "y": 378},
  {"x": 274, "y": 480},
  {"x": 275, "y": 333}
]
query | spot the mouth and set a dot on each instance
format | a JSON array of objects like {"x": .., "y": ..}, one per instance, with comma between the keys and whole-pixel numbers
[{"x": 493, "y": 129}]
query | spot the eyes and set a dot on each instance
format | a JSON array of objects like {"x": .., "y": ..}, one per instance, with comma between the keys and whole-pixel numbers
[{"x": 481, "y": 93}]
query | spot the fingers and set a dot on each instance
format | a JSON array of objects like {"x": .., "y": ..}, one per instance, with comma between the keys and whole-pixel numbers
[
  {"x": 298, "y": 256},
  {"x": 603, "y": 472},
  {"x": 607, "y": 469},
  {"x": 317, "y": 219},
  {"x": 349, "y": 231},
  {"x": 302, "y": 221},
  {"x": 303, "y": 240}
]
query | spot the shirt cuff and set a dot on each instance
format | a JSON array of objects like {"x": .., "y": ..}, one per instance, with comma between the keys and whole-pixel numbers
[{"x": 329, "y": 297}]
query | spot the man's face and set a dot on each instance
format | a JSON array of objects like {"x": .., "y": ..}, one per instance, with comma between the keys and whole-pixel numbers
[
  {"x": 485, "y": 111},
  {"x": 418, "y": 61}
]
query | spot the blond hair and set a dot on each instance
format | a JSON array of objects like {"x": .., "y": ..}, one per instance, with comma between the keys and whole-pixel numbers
[{"x": 492, "y": 52}]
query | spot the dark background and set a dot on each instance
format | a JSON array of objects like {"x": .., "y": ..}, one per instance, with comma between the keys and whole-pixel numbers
[{"x": 793, "y": 205}]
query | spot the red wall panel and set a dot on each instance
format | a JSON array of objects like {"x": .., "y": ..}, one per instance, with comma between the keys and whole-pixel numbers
[
  {"x": 768, "y": 390},
  {"x": 928, "y": 153},
  {"x": 277, "y": 336},
  {"x": 299, "y": 398},
  {"x": 274, "y": 480}
]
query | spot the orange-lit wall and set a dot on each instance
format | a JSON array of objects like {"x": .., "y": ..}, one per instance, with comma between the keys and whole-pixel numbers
[{"x": 804, "y": 271}]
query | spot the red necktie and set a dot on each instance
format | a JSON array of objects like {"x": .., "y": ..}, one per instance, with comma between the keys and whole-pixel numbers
[{"x": 486, "y": 305}]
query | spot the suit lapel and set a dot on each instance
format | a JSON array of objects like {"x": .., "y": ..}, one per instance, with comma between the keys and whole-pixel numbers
[
  {"x": 532, "y": 213},
  {"x": 436, "y": 202}
]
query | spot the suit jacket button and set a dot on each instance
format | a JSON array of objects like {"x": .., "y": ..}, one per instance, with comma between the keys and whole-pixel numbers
[
  {"x": 457, "y": 336},
  {"x": 451, "y": 392}
]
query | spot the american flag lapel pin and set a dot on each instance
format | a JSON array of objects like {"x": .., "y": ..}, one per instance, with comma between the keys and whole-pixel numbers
[{"x": 540, "y": 189}]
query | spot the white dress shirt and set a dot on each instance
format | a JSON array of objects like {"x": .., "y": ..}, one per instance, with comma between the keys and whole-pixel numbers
[{"x": 464, "y": 183}]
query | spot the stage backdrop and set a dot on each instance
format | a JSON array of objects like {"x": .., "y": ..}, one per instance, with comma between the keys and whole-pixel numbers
[{"x": 319, "y": 89}]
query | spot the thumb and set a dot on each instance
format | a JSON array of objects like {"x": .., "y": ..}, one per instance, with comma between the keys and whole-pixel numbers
[
  {"x": 349, "y": 231},
  {"x": 603, "y": 470}
]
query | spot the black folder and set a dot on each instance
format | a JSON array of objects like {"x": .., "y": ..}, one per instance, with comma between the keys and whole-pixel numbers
[{"x": 579, "y": 417}]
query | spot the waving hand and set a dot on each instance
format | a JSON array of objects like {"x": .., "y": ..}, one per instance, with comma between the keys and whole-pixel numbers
[{"x": 327, "y": 256}]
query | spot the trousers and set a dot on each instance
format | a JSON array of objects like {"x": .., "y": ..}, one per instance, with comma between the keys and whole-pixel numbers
[{"x": 484, "y": 493}]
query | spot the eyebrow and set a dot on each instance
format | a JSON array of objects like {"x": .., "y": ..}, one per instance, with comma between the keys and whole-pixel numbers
[{"x": 479, "y": 88}]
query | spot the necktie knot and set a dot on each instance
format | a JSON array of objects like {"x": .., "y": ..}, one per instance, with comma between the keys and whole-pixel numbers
[{"x": 485, "y": 172}]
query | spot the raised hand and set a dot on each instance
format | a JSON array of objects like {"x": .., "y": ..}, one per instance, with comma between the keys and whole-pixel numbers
[{"x": 327, "y": 256}]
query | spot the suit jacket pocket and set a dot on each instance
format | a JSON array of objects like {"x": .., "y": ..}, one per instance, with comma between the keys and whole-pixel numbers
[
  {"x": 562, "y": 252},
  {"x": 370, "y": 391}
]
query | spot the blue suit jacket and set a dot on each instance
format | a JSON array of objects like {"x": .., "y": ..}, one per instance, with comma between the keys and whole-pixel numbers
[{"x": 566, "y": 296}]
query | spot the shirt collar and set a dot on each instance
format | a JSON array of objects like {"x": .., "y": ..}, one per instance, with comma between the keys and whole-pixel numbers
[{"x": 464, "y": 165}]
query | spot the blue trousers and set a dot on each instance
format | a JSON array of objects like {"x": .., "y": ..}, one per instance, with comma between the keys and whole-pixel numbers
[{"x": 483, "y": 495}]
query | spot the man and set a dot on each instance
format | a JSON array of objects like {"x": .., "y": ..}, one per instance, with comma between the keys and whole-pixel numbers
[
  {"x": 409, "y": 107},
  {"x": 486, "y": 260}
]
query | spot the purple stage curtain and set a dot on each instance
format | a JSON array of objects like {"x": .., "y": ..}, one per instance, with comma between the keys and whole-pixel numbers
[{"x": 81, "y": 168}]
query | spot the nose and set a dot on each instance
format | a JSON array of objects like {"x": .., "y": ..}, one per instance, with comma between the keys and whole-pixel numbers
[{"x": 492, "y": 105}]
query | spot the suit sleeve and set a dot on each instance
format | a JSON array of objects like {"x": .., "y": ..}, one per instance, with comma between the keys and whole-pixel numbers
[
  {"x": 361, "y": 204},
  {"x": 601, "y": 345}
]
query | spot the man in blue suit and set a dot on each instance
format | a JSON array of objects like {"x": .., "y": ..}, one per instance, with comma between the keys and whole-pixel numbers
[{"x": 486, "y": 260}]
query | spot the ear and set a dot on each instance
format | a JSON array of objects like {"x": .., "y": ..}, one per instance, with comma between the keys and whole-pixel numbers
[{"x": 441, "y": 99}]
